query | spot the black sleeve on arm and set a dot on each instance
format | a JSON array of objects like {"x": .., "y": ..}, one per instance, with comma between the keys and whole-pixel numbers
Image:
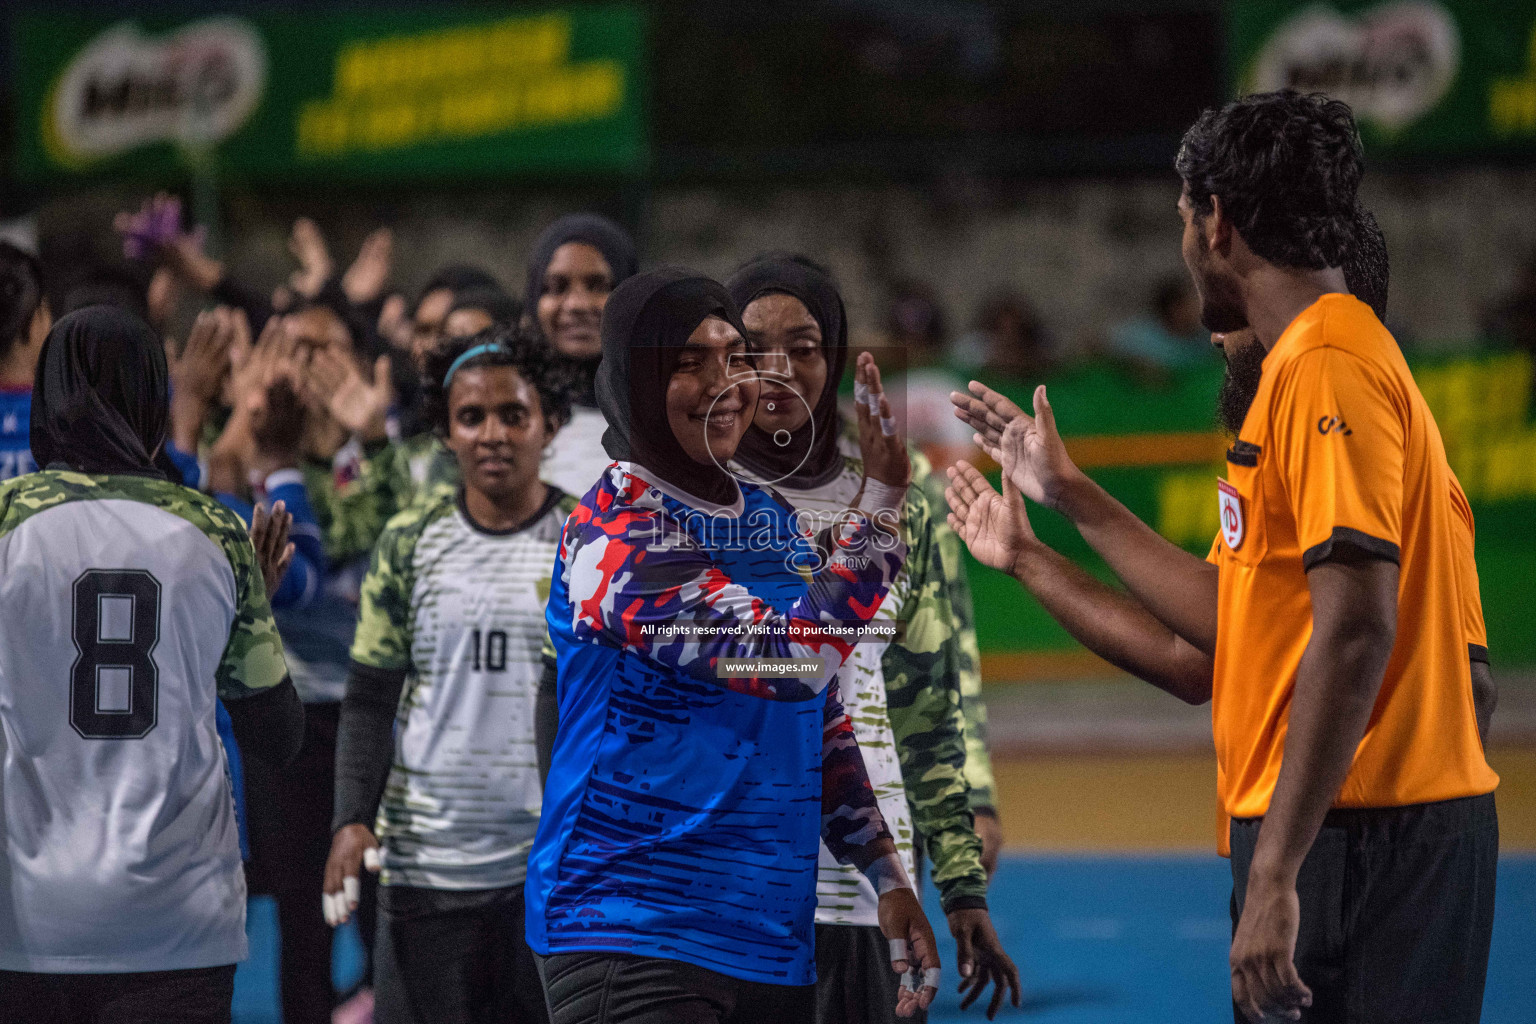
[
  {"x": 269, "y": 724},
  {"x": 1346, "y": 545},
  {"x": 365, "y": 743},
  {"x": 546, "y": 719}
]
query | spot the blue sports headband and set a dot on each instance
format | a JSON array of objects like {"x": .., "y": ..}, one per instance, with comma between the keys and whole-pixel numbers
[{"x": 478, "y": 350}]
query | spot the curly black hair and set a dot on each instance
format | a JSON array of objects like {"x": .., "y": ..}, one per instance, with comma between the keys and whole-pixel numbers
[
  {"x": 1367, "y": 271},
  {"x": 551, "y": 374},
  {"x": 21, "y": 292},
  {"x": 1286, "y": 167}
]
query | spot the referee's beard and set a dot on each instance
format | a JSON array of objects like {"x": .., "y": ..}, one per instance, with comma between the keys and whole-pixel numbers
[{"x": 1245, "y": 367}]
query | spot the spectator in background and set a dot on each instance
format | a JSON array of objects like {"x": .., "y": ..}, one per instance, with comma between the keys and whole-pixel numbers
[
  {"x": 916, "y": 335},
  {"x": 476, "y": 309},
  {"x": 575, "y": 263},
  {"x": 419, "y": 466},
  {"x": 1009, "y": 340},
  {"x": 1166, "y": 339},
  {"x": 436, "y": 301},
  {"x": 24, "y": 322},
  {"x": 1512, "y": 320}
]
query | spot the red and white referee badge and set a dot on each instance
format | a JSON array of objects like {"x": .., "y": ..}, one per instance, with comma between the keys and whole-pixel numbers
[{"x": 1230, "y": 504}]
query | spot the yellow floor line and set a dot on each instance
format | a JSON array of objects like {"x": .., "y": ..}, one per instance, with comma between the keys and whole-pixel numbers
[{"x": 1167, "y": 802}]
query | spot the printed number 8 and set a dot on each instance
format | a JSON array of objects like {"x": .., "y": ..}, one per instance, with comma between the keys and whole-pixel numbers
[{"x": 114, "y": 683}]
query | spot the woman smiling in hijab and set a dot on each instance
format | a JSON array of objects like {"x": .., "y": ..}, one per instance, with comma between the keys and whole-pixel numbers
[
  {"x": 130, "y": 604},
  {"x": 575, "y": 265},
  {"x": 673, "y": 875},
  {"x": 902, "y": 696}
]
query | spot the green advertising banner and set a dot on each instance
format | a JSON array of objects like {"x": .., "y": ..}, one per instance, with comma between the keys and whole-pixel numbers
[
  {"x": 1157, "y": 452},
  {"x": 1423, "y": 76},
  {"x": 391, "y": 93}
]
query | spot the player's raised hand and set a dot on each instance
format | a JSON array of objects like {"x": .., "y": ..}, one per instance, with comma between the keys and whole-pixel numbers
[
  {"x": 307, "y": 245},
  {"x": 986, "y": 411},
  {"x": 199, "y": 368},
  {"x": 1041, "y": 467},
  {"x": 353, "y": 849},
  {"x": 359, "y": 404},
  {"x": 914, "y": 952},
  {"x": 994, "y": 526},
  {"x": 880, "y": 445},
  {"x": 983, "y": 960},
  {"x": 365, "y": 279},
  {"x": 269, "y": 535}
]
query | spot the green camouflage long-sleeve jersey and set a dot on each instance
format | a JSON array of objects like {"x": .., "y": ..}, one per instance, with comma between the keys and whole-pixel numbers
[
  {"x": 361, "y": 489},
  {"x": 413, "y": 470},
  {"x": 978, "y": 756},
  {"x": 904, "y": 700}
]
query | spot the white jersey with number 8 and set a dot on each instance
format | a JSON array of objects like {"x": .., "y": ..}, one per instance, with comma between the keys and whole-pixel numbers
[{"x": 129, "y": 604}]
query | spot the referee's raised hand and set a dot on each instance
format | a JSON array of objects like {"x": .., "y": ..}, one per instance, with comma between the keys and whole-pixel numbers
[{"x": 1043, "y": 469}]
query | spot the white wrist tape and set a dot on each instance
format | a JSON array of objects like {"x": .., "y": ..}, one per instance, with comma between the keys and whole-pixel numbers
[
  {"x": 880, "y": 497},
  {"x": 886, "y": 874}
]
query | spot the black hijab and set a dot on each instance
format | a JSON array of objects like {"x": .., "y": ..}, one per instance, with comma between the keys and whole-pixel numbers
[
  {"x": 100, "y": 404},
  {"x": 646, "y": 323},
  {"x": 601, "y": 234},
  {"x": 813, "y": 447}
]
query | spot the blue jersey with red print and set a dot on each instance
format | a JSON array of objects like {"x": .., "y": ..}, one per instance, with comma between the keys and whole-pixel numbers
[
  {"x": 15, "y": 432},
  {"x": 683, "y": 810}
]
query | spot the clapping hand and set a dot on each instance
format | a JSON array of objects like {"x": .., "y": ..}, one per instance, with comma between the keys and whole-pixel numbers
[
  {"x": 994, "y": 526},
  {"x": 269, "y": 535},
  {"x": 1042, "y": 469},
  {"x": 359, "y": 404}
]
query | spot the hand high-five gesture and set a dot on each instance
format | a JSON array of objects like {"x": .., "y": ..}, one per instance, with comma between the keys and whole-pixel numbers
[
  {"x": 994, "y": 526},
  {"x": 884, "y": 452},
  {"x": 358, "y": 404},
  {"x": 307, "y": 245},
  {"x": 1042, "y": 470},
  {"x": 269, "y": 535},
  {"x": 365, "y": 279}
]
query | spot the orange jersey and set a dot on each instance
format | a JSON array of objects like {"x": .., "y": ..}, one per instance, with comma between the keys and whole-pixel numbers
[{"x": 1339, "y": 447}]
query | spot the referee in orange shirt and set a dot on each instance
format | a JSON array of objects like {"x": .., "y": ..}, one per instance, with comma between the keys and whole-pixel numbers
[{"x": 1330, "y": 625}]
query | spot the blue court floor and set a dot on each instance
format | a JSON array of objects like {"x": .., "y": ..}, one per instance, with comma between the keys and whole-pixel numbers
[{"x": 1102, "y": 939}]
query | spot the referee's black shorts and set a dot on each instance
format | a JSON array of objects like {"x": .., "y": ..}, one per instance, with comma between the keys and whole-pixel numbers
[{"x": 1396, "y": 911}]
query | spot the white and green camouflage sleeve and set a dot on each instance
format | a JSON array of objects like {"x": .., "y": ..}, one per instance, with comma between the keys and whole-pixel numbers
[
  {"x": 923, "y": 698},
  {"x": 253, "y": 659},
  {"x": 383, "y": 637}
]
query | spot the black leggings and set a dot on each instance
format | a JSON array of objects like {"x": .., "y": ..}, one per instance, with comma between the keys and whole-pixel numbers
[
  {"x": 611, "y": 988},
  {"x": 288, "y": 815},
  {"x": 198, "y": 996}
]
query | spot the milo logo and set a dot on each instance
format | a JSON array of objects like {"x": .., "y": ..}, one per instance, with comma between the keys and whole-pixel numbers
[
  {"x": 1392, "y": 63},
  {"x": 195, "y": 86}
]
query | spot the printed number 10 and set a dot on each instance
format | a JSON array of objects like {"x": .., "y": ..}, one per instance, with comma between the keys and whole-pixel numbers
[{"x": 490, "y": 650}]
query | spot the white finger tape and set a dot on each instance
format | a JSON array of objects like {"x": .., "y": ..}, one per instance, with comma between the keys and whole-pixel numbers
[
  {"x": 861, "y": 392},
  {"x": 350, "y": 889},
  {"x": 371, "y": 858},
  {"x": 909, "y": 981},
  {"x": 898, "y": 950},
  {"x": 873, "y": 401},
  {"x": 328, "y": 908},
  {"x": 932, "y": 976},
  {"x": 888, "y": 426}
]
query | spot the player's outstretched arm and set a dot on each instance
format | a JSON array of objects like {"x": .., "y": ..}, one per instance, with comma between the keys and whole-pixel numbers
[
  {"x": 1176, "y": 587},
  {"x": 1112, "y": 624}
]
